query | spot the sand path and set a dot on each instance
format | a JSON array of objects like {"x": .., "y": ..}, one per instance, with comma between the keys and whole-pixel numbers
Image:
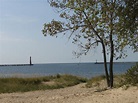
[{"x": 75, "y": 94}]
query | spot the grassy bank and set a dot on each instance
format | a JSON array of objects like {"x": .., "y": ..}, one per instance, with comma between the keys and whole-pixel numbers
[{"x": 9, "y": 85}]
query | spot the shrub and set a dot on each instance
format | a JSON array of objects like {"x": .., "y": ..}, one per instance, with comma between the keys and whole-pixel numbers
[{"x": 131, "y": 76}]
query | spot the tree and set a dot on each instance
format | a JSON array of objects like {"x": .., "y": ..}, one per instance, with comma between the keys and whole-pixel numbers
[
  {"x": 129, "y": 18},
  {"x": 96, "y": 22}
]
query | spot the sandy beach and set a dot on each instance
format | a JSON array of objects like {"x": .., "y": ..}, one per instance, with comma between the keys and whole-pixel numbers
[{"x": 75, "y": 94}]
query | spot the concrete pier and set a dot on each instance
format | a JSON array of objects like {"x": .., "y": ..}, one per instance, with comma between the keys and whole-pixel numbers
[
  {"x": 16, "y": 65},
  {"x": 30, "y": 64}
]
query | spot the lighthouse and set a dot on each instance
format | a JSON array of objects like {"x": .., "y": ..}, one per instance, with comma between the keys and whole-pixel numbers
[{"x": 30, "y": 61}]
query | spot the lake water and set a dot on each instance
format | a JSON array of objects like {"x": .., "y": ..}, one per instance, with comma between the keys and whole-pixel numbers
[{"x": 87, "y": 70}]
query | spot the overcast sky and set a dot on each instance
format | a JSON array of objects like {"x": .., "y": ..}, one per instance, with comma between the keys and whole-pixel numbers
[{"x": 21, "y": 22}]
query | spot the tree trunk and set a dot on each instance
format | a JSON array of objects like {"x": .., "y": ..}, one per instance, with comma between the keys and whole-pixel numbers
[
  {"x": 111, "y": 61},
  {"x": 111, "y": 46},
  {"x": 105, "y": 65}
]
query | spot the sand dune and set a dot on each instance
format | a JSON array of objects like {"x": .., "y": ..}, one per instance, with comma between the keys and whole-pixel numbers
[{"x": 75, "y": 94}]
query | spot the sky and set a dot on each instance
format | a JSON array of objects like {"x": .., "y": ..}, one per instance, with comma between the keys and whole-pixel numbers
[{"x": 21, "y": 24}]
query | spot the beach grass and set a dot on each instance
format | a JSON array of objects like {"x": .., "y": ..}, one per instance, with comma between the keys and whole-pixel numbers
[
  {"x": 9, "y": 85},
  {"x": 95, "y": 81},
  {"x": 16, "y": 84}
]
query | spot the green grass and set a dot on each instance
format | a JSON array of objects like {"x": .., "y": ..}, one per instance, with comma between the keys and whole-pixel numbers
[
  {"x": 95, "y": 81},
  {"x": 9, "y": 85},
  {"x": 67, "y": 80},
  {"x": 121, "y": 80}
]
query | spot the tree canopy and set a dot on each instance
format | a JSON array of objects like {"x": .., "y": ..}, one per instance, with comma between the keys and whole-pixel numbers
[{"x": 111, "y": 23}]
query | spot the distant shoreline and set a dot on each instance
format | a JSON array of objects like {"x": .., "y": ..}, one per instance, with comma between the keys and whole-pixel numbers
[
  {"x": 88, "y": 62},
  {"x": 63, "y": 63}
]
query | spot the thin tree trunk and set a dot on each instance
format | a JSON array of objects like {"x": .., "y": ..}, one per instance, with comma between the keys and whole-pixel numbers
[
  {"x": 105, "y": 65},
  {"x": 104, "y": 50},
  {"x": 111, "y": 47},
  {"x": 111, "y": 61}
]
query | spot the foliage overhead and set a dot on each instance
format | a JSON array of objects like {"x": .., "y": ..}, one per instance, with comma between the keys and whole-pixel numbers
[{"x": 91, "y": 22}]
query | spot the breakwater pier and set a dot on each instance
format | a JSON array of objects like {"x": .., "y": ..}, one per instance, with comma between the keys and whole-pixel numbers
[
  {"x": 16, "y": 65},
  {"x": 30, "y": 64}
]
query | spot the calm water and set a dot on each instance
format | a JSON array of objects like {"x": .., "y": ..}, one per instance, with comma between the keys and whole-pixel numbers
[{"x": 79, "y": 69}]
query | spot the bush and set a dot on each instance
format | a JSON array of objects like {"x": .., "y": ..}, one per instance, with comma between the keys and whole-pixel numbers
[{"x": 131, "y": 76}]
